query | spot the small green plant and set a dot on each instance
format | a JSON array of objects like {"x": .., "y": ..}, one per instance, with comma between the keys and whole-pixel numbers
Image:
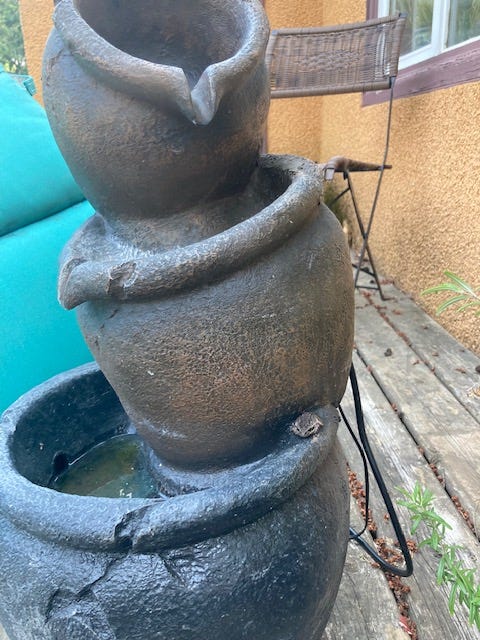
[
  {"x": 464, "y": 296},
  {"x": 451, "y": 571}
]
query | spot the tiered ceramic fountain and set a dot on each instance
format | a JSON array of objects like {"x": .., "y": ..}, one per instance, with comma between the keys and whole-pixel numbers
[{"x": 192, "y": 489}]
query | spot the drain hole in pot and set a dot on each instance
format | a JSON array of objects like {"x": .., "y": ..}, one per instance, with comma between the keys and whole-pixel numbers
[{"x": 60, "y": 463}]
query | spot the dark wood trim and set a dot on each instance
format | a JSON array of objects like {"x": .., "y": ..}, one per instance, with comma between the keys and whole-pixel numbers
[
  {"x": 372, "y": 9},
  {"x": 456, "y": 66}
]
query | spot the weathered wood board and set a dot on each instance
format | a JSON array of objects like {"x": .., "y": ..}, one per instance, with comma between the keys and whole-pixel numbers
[
  {"x": 365, "y": 608},
  {"x": 402, "y": 465},
  {"x": 448, "y": 433},
  {"x": 452, "y": 363}
]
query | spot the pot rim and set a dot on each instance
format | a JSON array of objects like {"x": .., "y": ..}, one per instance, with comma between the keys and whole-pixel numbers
[
  {"x": 84, "y": 277},
  {"x": 151, "y": 81},
  {"x": 152, "y": 524}
]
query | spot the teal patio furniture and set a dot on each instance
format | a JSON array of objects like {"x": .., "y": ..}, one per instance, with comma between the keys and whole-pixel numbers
[{"x": 40, "y": 208}]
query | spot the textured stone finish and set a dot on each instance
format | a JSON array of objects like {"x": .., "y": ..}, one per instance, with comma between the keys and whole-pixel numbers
[
  {"x": 215, "y": 290},
  {"x": 210, "y": 372},
  {"x": 251, "y": 552}
]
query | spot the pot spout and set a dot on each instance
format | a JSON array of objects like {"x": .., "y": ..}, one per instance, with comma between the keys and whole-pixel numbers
[
  {"x": 189, "y": 62},
  {"x": 205, "y": 97}
]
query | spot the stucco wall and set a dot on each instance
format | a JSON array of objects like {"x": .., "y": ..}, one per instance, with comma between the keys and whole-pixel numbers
[
  {"x": 294, "y": 125},
  {"x": 36, "y": 19},
  {"x": 428, "y": 218}
]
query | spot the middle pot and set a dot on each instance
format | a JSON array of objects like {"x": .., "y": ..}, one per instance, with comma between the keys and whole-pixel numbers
[{"x": 211, "y": 347}]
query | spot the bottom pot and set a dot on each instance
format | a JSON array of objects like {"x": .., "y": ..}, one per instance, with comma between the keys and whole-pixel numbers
[{"x": 254, "y": 551}]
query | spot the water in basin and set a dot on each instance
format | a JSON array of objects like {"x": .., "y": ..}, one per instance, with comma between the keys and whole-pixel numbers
[{"x": 116, "y": 468}]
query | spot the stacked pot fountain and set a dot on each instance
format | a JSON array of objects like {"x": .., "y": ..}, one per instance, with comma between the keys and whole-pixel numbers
[{"x": 215, "y": 292}]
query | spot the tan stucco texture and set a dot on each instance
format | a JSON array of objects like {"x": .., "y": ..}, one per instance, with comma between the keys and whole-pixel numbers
[
  {"x": 36, "y": 18},
  {"x": 428, "y": 216},
  {"x": 294, "y": 125}
]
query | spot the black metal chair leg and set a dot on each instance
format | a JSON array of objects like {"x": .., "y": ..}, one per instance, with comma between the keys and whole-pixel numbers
[{"x": 364, "y": 232}]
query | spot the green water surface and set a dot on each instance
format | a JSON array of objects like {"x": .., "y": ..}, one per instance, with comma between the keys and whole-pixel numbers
[{"x": 116, "y": 468}]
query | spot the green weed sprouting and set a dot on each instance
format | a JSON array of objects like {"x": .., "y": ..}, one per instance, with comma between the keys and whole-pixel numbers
[
  {"x": 464, "y": 295},
  {"x": 463, "y": 587}
]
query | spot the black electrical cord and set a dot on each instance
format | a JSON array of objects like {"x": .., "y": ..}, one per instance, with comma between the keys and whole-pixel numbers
[
  {"x": 356, "y": 534},
  {"x": 367, "y": 454}
]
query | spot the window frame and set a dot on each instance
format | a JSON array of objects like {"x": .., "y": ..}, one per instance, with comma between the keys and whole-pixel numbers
[
  {"x": 430, "y": 50},
  {"x": 457, "y": 65}
]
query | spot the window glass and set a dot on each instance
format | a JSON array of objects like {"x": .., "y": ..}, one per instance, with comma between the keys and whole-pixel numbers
[
  {"x": 433, "y": 25},
  {"x": 441, "y": 46},
  {"x": 464, "y": 21},
  {"x": 418, "y": 29}
]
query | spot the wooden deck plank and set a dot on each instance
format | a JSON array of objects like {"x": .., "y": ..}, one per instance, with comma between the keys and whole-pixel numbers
[
  {"x": 365, "y": 608},
  {"x": 402, "y": 465},
  {"x": 363, "y": 612},
  {"x": 446, "y": 431},
  {"x": 452, "y": 363}
]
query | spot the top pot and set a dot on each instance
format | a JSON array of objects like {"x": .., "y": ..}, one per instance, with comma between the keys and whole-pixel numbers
[{"x": 159, "y": 106}]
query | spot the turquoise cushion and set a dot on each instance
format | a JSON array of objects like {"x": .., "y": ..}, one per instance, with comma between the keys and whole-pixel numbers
[
  {"x": 34, "y": 180},
  {"x": 37, "y": 337}
]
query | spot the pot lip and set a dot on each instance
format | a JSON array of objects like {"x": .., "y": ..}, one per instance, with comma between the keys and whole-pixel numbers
[
  {"x": 152, "y": 81},
  {"x": 84, "y": 277},
  {"x": 152, "y": 524}
]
